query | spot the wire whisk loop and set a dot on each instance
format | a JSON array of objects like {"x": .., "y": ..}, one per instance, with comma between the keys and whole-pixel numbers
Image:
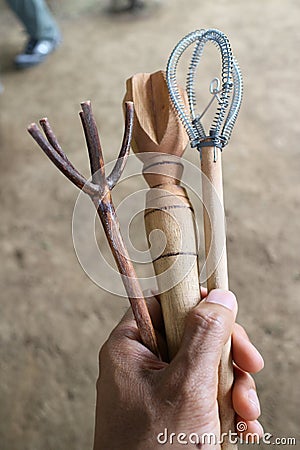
[{"x": 227, "y": 91}]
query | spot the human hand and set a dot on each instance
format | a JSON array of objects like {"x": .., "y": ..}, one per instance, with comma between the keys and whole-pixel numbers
[{"x": 139, "y": 397}]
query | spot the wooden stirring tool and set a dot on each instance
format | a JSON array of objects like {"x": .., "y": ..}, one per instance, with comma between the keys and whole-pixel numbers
[
  {"x": 159, "y": 140},
  {"x": 227, "y": 92}
]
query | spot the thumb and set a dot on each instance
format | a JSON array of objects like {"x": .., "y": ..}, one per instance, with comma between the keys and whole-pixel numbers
[{"x": 208, "y": 327}]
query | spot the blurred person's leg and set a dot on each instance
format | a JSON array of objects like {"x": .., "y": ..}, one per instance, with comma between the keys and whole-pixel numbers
[
  {"x": 136, "y": 4},
  {"x": 44, "y": 35},
  {"x": 131, "y": 6}
]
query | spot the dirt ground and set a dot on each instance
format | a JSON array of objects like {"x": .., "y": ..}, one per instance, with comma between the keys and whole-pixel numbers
[{"x": 53, "y": 317}]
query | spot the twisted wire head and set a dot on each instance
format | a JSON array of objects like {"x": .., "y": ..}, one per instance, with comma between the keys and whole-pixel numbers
[{"x": 227, "y": 91}]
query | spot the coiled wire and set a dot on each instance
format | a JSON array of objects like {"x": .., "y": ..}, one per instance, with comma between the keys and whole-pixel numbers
[{"x": 231, "y": 79}]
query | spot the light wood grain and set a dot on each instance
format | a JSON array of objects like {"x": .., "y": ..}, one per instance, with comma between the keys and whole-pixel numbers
[
  {"x": 159, "y": 139},
  {"x": 216, "y": 270}
]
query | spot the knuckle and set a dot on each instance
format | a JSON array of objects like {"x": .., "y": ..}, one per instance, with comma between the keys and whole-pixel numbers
[
  {"x": 118, "y": 346},
  {"x": 122, "y": 332},
  {"x": 211, "y": 322}
]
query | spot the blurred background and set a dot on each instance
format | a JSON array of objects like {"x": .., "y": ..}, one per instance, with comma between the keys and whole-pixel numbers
[{"x": 53, "y": 317}]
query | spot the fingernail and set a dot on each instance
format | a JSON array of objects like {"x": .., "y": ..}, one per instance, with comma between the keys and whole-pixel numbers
[
  {"x": 224, "y": 298},
  {"x": 253, "y": 399},
  {"x": 259, "y": 425},
  {"x": 258, "y": 355}
]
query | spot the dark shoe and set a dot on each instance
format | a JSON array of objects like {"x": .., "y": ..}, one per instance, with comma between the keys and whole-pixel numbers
[{"x": 36, "y": 51}]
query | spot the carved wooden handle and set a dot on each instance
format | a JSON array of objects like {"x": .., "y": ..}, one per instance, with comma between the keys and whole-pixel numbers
[
  {"x": 159, "y": 139},
  {"x": 168, "y": 209},
  {"x": 216, "y": 270}
]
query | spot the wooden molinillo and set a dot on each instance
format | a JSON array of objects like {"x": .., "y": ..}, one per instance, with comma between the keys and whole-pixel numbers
[{"x": 159, "y": 140}]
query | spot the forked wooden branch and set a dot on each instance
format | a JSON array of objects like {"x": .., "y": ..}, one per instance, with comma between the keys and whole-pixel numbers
[{"x": 99, "y": 189}]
